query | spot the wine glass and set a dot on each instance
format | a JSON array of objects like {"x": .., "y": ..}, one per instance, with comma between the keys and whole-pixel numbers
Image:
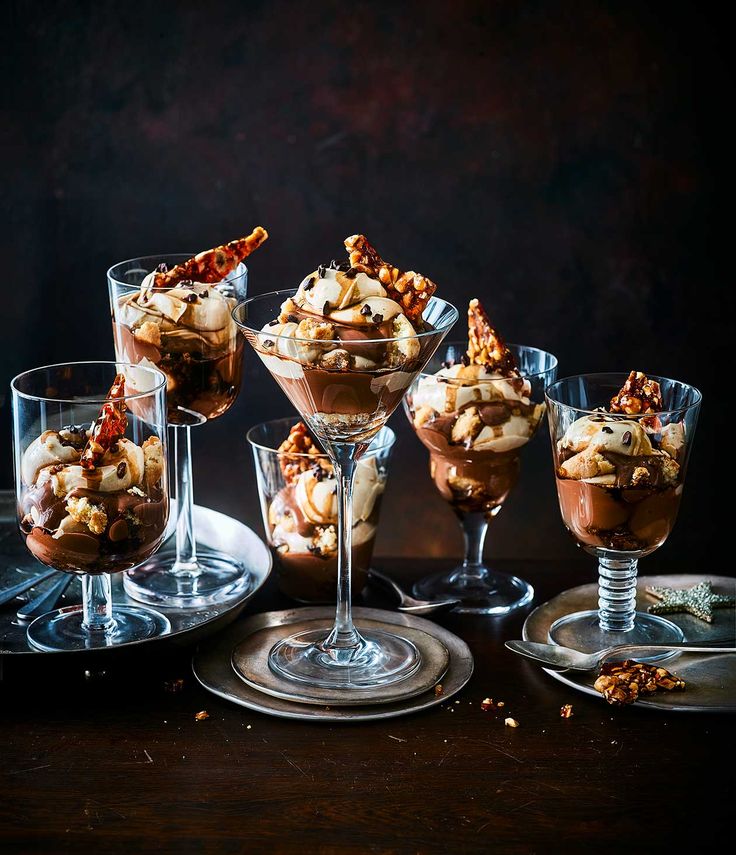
[
  {"x": 345, "y": 408},
  {"x": 99, "y": 520},
  {"x": 299, "y": 507},
  {"x": 475, "y": 469},
  {"x": 626, "y": 512},
  {"x": 197, "y": 346}
]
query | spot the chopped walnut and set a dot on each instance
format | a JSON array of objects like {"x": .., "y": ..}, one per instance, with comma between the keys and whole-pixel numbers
[
  {"x": 201, "y": 715},
  {"x": 566, "y": 711},
  {"x": 149, "y": 333},
  {"x": 83, "y": 511},
  {"x": 438, "y": 690},
  {"x": 485, "y": 345},
  {"x": 639, "y": 395},
  {"x": 621, "y": 683},
  {"x": 486, "y": 704},
  {"x": 511, "y": 722}
]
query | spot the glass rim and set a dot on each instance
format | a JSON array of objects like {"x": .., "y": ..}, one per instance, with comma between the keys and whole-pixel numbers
[
  {"x": 529, "y": 376},
  {"x": 94, "y": 400},
  {"x": 184, "y": 256},
  {"x": 370, "y": 451},
  {"x": 611, "y": 374},
  {"x": 356, "y": 344}
]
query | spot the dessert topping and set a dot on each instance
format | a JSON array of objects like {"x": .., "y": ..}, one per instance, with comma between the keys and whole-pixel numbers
[
  {"x": 639, "y": 395},
  {"x": 622, "y": 683},
  {"x": 108, "y": 427},
  {"x": 485, "y": 345},
  {"x": 299, "y": 442}
]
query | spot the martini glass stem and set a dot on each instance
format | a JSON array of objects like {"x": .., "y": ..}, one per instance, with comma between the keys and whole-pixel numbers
[
  {"x": 97, "y": 603},
  {"x": 475, "y": 526},
  {"x": 616, "y": 594},
  {"x": 186, "y": 546},
  {"x": 344, "y": 640}
]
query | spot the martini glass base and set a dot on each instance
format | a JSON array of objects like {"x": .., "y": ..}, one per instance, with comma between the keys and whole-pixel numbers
[
  {"x": 62, "y": 630},
  {"x": 491, "y": 593},
  {"x": 381, "y": 658},
  {"x": 217, "y": 579},
  {"x": 581, "y": 631}
]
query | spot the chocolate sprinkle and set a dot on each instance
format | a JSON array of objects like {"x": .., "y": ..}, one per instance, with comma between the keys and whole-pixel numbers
[
  {"x": 121, "y": 469},
  {"x": 275, "y": 322},
  {"x": 162, "y": 268},
  {"x": 268, "y": 343},
  {"x": 366, "y": 310},
  {"x": 321, "y": 271},
  {"x": 377, "y": 319},
  {"x": 191, "y": 298},
  {"x": 607, "y": 429},
  {"x": 292, "y": 319},
  {"x": 465, "y": 359},
  {"x": 352, "y": 273},
  {"x": 626, "y": 438},
  {"x": 333, "y": 264},
  {"x": 310, "y": 283},
  {"x": 326, "y": 307}
]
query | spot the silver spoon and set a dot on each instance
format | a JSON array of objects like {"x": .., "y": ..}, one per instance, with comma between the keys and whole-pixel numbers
[
  {"x": 562, "y": 658},
  {"x": 8, "y": 594},
  {"x": 410, "y": 604},
  {"x": 46, "y": 601}
]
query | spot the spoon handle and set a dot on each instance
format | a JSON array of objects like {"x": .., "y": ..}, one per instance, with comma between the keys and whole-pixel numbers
[
  {"x": 388, "y": 582},
  {"x": 8, "y": 594},
  {"x": 46, "y": 601}
]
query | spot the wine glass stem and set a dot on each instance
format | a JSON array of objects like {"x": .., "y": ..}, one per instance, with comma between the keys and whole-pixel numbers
[
  {"x": 344, "y": 634},
  {"x": 186, "y": 546},
  {"x": 616, "y": 594},
  {"x": 475, "y": 526},
  {"x": 97, "y": 603}
]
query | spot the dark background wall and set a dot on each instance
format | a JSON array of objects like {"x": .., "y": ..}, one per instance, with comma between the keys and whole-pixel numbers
[{"x": 560, "y": 160}]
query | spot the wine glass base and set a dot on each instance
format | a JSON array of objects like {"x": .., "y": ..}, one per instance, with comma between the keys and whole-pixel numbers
[
  {"x": 62, "y": 630},
  {"x": 380, "y": 659},
  {"x": 217, "y": 579},
  {"x": 581, "y": 631},
  {"x": 491, "y": 594}
]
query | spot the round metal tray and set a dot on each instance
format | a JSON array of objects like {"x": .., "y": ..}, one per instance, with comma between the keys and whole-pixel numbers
[
  {"x": 213, "y": 529},
  {"x": 710, "y": 680}
]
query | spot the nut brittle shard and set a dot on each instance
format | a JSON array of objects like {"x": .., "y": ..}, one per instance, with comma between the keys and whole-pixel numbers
[
  {"x": 300, "y": 442},
  {"x": 485, "y": 345},
  {"x": 638, "y": 396},
  {"x": 213, "y": 265},
  {"x": 409, "y": 289}
]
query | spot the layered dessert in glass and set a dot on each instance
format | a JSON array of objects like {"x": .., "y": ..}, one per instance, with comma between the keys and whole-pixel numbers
[
  {"x": 620, "y": 445},
  {"x": 475, "y": 411},
  {"x": 298, "y": 492}
]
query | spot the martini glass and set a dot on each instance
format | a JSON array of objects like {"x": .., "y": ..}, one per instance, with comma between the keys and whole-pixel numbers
[
  {"x": 619, "y": 524},
  {"x": 52, "y": 407},
  {"x": 203, "y": 366},
  {"x": 477, "y": 481},
  {"x": 345, "y": 409}
]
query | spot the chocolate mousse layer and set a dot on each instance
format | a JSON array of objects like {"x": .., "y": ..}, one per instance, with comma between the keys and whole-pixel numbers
[
  {"x": 134, "y": 529},
  {"x": 626, "y": 519},
  {"x": 199, "y": 378}
]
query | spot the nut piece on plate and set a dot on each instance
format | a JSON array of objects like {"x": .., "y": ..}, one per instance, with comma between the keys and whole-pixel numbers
[
  {"x": 300, "y": 442},
  {"x": 566, "y": 711},
  {"x": 485, "y": 345},
  {"x": 410, "y": 290},
  {"x": 639, "y": 395},
  {"x": 622, "y": 683}
]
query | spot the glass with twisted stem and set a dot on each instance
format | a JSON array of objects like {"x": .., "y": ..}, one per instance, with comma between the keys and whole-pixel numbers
[
  {"x": 476, "y": 475},
  {"x": 195, "y": 343},
  {"x": 91, "y": 522},
  {"x": 626, "y": 514},
  {"x": 345, "y": 409}
]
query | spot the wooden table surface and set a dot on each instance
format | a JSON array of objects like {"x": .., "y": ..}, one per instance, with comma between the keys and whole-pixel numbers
[{"x": 116, "y": 763}]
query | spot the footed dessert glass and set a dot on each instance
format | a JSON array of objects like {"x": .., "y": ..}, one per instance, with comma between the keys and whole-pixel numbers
[
  {"x": 91, "y": 505},
  {"x": 345, "y": 408},
  {"x": 188, "y": 334},
  {"x": 298, "y": 493},
  {"x": 475, "y": 466},
  {"x": 619, "y": 480}
]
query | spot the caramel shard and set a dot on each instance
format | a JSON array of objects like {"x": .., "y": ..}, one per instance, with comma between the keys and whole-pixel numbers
[
  {"x": 213, "y": 265},
  {"x": 639, "y": 395},
  {"x": 438, "y": 689},
  {"x": 622, "y": 683},
  {"x": 486, "y": 704},
  {"x": 108, "y": 427},
  {"x": 485, "y": 345},
  {"x": 409, "y": 289},
  {"x": 201, "y": 715},
  {"x": 566, "y": 711},
  {"x": 291, "y": 451}
]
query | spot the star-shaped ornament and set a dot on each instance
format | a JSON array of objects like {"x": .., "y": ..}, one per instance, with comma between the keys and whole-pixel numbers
[{"x": 698, "y": 601}]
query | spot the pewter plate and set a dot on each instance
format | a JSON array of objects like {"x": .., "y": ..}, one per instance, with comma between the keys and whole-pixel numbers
[
  {"x": 710, "y": 680},
  {"x": 213, "y": 529},
  {"x": 250, "y": 661},
  {"x": 212, "y": 667}
]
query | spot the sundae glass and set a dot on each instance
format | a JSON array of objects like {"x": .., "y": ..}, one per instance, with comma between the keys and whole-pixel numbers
[
  {"x": 620, "y": 467},
  {"x": 298, "y": 491},
  {"x": 91, "y": 489},
  {"x": 475, "y": 408},
  {"x": 344, "y": 347},
  {"x": 174, "y": 313}
]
